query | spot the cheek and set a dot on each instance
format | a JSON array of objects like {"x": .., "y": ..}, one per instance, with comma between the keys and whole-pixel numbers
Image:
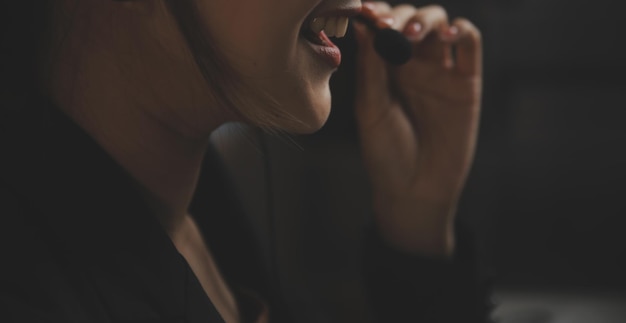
[
  {"x": 261, "y": 39},
  {"x": 257, "y": 36}
]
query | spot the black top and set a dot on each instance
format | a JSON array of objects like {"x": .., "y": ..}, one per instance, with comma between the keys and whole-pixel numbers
[{"x": 79, "y": 244}]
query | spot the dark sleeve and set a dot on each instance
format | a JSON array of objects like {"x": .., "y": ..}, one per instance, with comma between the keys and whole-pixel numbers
[{"x": 407, "y": 288}]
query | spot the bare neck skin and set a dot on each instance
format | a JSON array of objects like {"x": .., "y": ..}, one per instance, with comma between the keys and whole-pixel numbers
[{"x": 128, "y": 84}]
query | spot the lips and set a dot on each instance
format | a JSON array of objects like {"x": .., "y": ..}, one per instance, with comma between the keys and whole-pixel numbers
[
  {"x": 321, "y": 25},
  {"x": 320, "y": 28}
]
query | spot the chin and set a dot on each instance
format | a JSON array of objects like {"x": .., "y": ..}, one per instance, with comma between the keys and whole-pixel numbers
[
  {"x": 310, "y": 122},
  {"x": 314, "y": 125},
  {"x": 312, "y": 114}
]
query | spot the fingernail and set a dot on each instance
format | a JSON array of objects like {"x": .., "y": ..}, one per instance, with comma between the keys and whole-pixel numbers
[{"x": 413, "y": 30}]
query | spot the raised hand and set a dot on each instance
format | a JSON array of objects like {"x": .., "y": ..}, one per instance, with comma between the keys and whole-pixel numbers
[{"x": 418, "y": 123}]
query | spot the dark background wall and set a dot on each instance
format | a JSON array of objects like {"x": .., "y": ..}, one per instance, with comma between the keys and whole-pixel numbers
[
  {"x": 554, "y": 137},
  {"x": 547, "y": 189}
]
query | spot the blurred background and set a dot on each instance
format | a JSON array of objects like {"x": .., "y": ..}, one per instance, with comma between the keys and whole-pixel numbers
[{"x": 545, "y": 196}]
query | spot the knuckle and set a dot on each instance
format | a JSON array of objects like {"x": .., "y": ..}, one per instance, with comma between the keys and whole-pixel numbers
[
  {"x": 404, "y": 7},
  {"x": 404, "y": 12},
  {"x": 437, "y": 10},
  {"x": 381, "y": 5}
]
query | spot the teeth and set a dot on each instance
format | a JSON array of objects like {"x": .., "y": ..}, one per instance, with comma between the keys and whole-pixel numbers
[
  {"x": 332, "y": 26},
  {"x": 342, "y": 27}
]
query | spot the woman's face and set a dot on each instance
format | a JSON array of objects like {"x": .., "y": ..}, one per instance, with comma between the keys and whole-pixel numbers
[{"x": 264, "y": 41}]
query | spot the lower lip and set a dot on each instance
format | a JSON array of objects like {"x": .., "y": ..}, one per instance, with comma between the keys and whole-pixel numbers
[{"x": 329, "y": 52}]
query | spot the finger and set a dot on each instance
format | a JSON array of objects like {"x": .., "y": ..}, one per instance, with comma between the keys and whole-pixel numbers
[
  {"x": 378, "y": 7},
  {"x": 425, "y": 29},
  {"x": 432, "y": 19},
  {"x": 401, "y": 15},
  {"x": 468, "y": 43},
  {"x": 379, "y": 12},
  {"x": 372, "y": 89}
]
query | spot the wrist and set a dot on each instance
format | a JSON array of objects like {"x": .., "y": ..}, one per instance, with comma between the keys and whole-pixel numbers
[{"x": 418, "y": 226}]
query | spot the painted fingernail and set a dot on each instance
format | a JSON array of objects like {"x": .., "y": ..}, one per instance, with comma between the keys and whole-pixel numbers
[{"x": 413, "y": 30}]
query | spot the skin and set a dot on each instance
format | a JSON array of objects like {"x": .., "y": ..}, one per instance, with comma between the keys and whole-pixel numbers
[
  {"x": 419, "y": 140},
  {"x": 264, "y": 43},
  {"x": 124, "y": 73}
]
